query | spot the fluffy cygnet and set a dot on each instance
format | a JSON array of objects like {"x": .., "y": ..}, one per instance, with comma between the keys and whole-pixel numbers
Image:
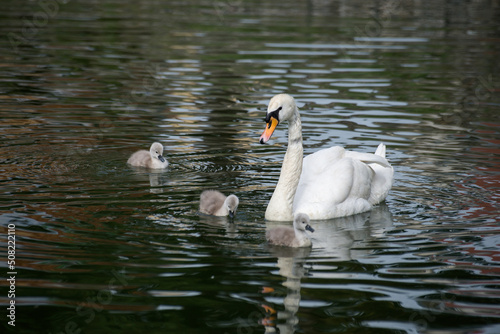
[
  {"x": 152, "y": 159},
  {"x": 213, "y": 202},
  {"x": 291, "y": 236}
]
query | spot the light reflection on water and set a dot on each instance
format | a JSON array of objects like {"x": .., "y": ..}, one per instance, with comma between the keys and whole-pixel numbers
[{"x": 103, "y": 247}]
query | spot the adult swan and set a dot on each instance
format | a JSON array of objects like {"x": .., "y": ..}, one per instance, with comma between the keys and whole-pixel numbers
[{"x": 329, "y": 183}]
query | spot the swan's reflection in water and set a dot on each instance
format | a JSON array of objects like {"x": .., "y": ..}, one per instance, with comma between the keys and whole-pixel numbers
[
  {"x": 292, "y": 266},
  {"x": 333, "y": 239},
  {"x": 157, "y": 178}
]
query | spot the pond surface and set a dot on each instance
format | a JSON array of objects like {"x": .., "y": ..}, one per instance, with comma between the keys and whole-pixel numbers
[{"x": 105, "y": 248}]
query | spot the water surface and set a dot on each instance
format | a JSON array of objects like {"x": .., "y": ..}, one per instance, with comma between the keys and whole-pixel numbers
[{"x": 102, "y": 247}]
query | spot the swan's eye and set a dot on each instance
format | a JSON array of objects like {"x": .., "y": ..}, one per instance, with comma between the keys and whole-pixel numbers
[{"x": 274, "y": 113}]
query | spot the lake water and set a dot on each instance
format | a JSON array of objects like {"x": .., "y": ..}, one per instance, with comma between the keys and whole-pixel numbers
[{"x": 101, "y": 247}]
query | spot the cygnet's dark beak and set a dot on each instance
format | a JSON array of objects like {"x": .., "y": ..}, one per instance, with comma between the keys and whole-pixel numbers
[
  {"x": 231, "y": 214},
  {"x": 161, "y": 158},
  {"x": 309, "y": 228}
]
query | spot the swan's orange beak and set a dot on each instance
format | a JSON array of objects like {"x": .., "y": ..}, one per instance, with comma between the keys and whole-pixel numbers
[{"x": 268, "y": 132}]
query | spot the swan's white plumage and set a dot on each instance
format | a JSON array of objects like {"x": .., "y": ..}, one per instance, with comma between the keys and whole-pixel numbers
[
  {"x": 333, "y": 182},
  {"x": 337, "y": 183}
]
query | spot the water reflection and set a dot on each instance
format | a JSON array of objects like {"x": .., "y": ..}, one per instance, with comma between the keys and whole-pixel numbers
[
  {"x": 292, "y": 267},
  {"x": 229, "y": 225},
  {"x": 157, "y": 178},
  {"x": 82, "y": 88},
  {"x": 337, "y": 240}
]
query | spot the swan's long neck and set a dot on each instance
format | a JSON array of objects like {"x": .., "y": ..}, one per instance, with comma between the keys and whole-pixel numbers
[{"x": 280, "y": 205}]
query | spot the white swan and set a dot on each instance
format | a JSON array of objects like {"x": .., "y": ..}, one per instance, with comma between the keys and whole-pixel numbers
[
  {"x": 213, "y": 202},
  {"x": 152, "y": 159},
  {"x": 327, "y": 184},
  {"x": 295, "y": 236}
]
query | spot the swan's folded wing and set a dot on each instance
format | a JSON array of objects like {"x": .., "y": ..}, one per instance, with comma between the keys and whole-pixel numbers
[
  {"x": 381, "y": 184},
  {"x": 322, "y": 160},
  {"x": 326, "y": 179}
]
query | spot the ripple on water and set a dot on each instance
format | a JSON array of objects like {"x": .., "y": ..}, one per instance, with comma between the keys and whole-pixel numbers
[{"x": 106, "y": 247}]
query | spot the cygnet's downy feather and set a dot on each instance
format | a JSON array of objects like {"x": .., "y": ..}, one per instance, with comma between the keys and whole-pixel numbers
[
  {"x": 150, "y": 159},
  {"x": 295, "y": 236},
  {"x": 213, "y": 202}
]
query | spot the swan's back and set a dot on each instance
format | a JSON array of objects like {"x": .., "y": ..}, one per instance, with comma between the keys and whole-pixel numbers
[{"x": 335, "y": 182}]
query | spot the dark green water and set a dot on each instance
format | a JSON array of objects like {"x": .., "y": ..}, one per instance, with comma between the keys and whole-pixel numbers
[{"x": 105, "y": 248}]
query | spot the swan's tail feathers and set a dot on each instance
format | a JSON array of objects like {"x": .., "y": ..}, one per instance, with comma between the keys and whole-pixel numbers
[
  {"x": 380, "y": 150},
  {"x": 370, "y": 158},
  {"x": 382, "y": 179}
]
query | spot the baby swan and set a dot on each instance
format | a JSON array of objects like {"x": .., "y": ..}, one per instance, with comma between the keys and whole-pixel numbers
[
  {"x": 213, "y": 202},
  {"x": 152, "y": 159},
  {"x": 291, "y": 237}
]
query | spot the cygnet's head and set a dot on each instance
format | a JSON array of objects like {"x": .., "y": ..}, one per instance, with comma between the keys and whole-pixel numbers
[
  {"x": 156, "y": 151},
  {"x": 231, "y": 203},
  {"x": 281, "y": 108},
  {"x": 301, "y": 222}
]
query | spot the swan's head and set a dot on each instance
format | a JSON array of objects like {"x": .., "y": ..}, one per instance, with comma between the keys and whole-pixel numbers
[
  {"x": 301, "y": 222},
  {"x": 231, "y": 204},
  {"x": 156, "y": 151},
  {"x": 281, "y": 108}
]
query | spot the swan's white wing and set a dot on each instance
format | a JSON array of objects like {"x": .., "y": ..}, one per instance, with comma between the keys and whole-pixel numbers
[
  {"x": 383, "y": 176},
  {"x": 319, "y": 171},
  {"x": 336, "y": 182},
  {"x": 328, "y": 179},
  {"x": 381, "y": 184}
]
